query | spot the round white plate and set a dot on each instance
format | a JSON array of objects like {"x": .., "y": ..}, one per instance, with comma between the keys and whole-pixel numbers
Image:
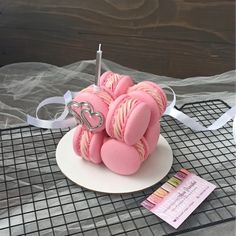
[{"x": 99, "y": 178}]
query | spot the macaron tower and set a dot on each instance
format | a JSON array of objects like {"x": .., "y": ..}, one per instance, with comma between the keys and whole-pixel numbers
[{"x": 130, "y": 125}]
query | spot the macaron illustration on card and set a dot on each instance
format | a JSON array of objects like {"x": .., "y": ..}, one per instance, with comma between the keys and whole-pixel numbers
[{"x": 176, "y": 199}]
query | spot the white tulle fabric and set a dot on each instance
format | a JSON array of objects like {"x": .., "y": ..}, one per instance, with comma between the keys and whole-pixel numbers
[{"x": 27, "y": 88}]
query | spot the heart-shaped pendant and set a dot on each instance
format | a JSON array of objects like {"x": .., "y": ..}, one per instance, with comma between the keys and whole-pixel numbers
[
  {"x": 80, "y": 116},
  {"x": 91, "y": 114}
]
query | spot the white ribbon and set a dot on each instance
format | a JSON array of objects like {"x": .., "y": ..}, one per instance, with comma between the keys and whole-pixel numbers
[
  {"x": 194, "y": 125},
  {"x": 63, "y": 122}
]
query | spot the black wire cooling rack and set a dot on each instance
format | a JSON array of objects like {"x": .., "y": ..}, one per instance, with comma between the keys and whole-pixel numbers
[{"x": 37, "y": 199}]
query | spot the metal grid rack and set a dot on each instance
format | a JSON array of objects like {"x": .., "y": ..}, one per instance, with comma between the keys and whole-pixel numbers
[{"x": 37, "y": 199}]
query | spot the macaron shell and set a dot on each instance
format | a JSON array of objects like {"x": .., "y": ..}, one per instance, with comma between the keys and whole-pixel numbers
[
  {"x": 112, "y": 109},
  {"x": 152, "y": 135},
  {"x": 95, "y": 147},
  {"x": 98, "y": 106},
  {"x": 123, "y": 85},
  {"x": 120, "y": 157},
  {"x": 106, "y": 138},
  {"x": 76, "y": 141},
  {"x": 137, "y": 123},
  {"x": 104, "y": 77},
  {"x": 160, "y": 90},
  {"x": 144, "y": 97}
]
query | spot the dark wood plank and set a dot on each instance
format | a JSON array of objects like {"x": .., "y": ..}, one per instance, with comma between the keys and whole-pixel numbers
[{"x": 178, "y": 38}]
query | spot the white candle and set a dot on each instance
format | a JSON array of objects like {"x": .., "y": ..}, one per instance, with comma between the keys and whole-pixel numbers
[{"x": 98, "y": 64}]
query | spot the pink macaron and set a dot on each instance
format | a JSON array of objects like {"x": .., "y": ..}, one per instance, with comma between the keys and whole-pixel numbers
[
  {"x": 124, "y": 159},
  {"x": 88, "y": 144},
  {"x": 153, "y": 95},
  {"x": 127, "y": 119},
  {"x": 152, "y": 135},
  {"x": 116, "y": 84},
  {"x": 94, "y": 114}
]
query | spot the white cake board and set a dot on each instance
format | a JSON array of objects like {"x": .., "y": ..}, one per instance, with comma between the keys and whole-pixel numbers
[{"x": 99, "y": 178}]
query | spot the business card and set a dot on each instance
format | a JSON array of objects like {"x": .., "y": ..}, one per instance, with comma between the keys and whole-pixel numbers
[{"x": 176, "y": 199}]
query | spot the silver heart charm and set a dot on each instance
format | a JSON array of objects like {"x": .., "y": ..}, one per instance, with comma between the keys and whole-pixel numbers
[
  {"x": 86, "y": 107},
  {"x": 91, "y": 114}
]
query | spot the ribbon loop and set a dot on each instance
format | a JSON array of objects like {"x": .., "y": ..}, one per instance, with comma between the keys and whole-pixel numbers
[{"x": 61, "y": 121}]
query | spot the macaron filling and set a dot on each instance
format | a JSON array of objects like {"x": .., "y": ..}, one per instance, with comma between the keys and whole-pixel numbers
[
  {"x": 115, "y": 83},
  {"x": 142, "y": 148},
  {"x": 76, "y": 140},
  {"x": 148, "y": 88},
  {"x": 121, "y": 116},
  {"x": 161, "y": 92},
  {"x": 104, "y": 95},
  {"x": 112, "y": 81},
  {"x": 85, "y": 139},
  {"x": 149, "y": 100}
]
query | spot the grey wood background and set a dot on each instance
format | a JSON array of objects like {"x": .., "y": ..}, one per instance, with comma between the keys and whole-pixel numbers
[{"x": 178, "y": 38}]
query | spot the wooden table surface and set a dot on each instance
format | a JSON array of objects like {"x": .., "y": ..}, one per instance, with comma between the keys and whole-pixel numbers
[{"x": 178, "y": 38}]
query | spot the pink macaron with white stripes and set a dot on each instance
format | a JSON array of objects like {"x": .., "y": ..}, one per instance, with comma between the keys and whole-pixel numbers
[
  {"x": 127, "y": 119},
  {"x": 153, "y": 95},
  {"x": 88, "y": 144},
  {"x": 114, "y": 83}
]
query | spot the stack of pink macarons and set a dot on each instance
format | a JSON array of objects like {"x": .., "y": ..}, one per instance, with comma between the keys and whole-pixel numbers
[{"x": 130, "y": 126}]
